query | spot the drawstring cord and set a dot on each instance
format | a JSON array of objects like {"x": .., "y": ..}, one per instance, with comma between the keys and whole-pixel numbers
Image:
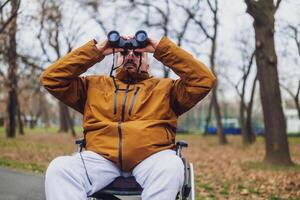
[{"x": 87, "y": 175}]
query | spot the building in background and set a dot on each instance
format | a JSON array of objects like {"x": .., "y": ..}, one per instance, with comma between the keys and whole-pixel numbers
[{"x": 292, "y": 121}]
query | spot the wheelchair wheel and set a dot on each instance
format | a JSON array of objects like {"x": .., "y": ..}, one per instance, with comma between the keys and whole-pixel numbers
[
  {"x": 188, "y": 189},
  {"x": 192, "y": 183}
]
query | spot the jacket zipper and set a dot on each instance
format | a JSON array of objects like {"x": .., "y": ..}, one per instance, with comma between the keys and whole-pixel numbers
[
  {"x": 120, "y": 146},
  {"x": 120, "y": 129},
  {"x": 133, "y": 100}
]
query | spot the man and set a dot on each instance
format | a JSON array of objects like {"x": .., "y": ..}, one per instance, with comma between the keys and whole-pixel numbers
[{"x": 129, "y": 126}]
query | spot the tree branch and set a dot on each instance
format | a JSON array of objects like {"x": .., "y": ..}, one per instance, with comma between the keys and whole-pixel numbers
[
  {"x": 3, "y": 5},
  {"x": 199, "y": 23},
  {"x": 287, "y": 89},
  {"x": 214, "y": 10},
  {"x": 277, "y": 5},
  {"x": 14, "y": 14},
  {"x": 295, "y": 36},
  {"x": 27, "y": 61}
]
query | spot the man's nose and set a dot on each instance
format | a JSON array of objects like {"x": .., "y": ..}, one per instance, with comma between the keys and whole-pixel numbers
[{"x": 130, "y": 54}]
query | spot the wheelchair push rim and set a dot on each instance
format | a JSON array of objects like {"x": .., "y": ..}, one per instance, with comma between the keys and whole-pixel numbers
[{"x": 192, "y": 193}]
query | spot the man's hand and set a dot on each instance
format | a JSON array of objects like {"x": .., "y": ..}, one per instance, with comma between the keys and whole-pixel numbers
[
  {"x": 150, "y": 48},
  {"x": 106, "y": 49}
]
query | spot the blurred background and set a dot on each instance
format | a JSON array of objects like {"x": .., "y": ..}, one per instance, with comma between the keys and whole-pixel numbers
[{"x": 252, "y": 46}]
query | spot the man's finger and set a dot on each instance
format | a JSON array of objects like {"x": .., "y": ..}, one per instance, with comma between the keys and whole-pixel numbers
[
  {"x": 119, "y": 50},
  {"x": 141, "y": 50}
]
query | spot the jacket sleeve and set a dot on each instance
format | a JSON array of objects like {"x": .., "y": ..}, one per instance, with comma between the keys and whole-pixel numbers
[
  {"x": 62, "y": 79},
  {"x": 195, "y": 81}
]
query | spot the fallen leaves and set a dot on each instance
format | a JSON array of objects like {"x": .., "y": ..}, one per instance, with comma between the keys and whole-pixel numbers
[
  {"x": 237, "y": 172},
  {"x": 222, "y": 172}
]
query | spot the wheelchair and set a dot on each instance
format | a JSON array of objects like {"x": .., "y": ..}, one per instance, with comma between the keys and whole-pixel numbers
[{"x": 125, "y": 187}]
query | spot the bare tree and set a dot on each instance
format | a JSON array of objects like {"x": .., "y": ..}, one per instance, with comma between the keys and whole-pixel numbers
[
  {"x": 294, "y": 34},
  {"x": 277, "y": 149},
  {"x": 10, "y": 54},
  {"x": 245, "y": 109},
  {"x": 13, "y": 76},
  {"x": 11, "y": 17},
  {"x": 51, "y": 37},
  {"x": 212, "y": 37},
  {"x": 294, "y": 95},
  {"x": 93, "y": 9}
]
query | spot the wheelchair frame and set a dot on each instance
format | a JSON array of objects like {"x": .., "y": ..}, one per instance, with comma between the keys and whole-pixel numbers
[{"x": 127, "y": 186}]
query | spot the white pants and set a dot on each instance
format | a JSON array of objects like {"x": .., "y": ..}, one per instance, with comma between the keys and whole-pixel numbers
[{"x": 160, "y": 175}]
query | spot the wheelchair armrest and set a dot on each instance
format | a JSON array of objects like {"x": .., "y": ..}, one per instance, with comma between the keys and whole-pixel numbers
[
  {"x": 179, "y": 145},
  {"x": 79, "y": 141},
  {"x": 80, "y": 144},
  {"x": 182, "y": 143}
]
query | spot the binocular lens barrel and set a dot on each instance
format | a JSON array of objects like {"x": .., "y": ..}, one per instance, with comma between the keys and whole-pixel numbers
[
  {"x": 113, "y": 36},
  {"x": 141, "y": 36}
]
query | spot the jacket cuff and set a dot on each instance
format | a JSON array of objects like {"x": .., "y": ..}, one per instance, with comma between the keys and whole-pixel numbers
[
  {"x": 95, "y": 54},
  {"x": 163, "y": 49},
  {"x": 167, "y": 52}
]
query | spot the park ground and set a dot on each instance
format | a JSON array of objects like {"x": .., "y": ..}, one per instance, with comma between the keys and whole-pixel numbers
[{"x": 230, "y": 171}]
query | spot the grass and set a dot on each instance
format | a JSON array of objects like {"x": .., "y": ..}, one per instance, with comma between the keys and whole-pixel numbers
[
  {"x": 38, "y": 168},
  {"x": 225, "y": 189},
  {"x": 37, "y": 130},
  {"x": 34, "y": 150},
  {"x": 294, "y": 140},
  {"x": 206, "y": 187},
  {"x": 250, "y": 165},
  {"x": 240, "y": 187},
  {"x": 274, "y": 197},
  {"x": 253, "y": 191}
]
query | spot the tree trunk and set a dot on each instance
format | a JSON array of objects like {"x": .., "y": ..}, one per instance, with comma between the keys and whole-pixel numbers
[
  {"x": 277, "y": 149},
  {"x": 71, "y": 123},
  {"x": 11, "y": 111},
  {"x": 44, "y": 111},
  {"x": 208, "y": 117},
  {"x": 218, "y": 116},
  {"x": 66, "y": 121},
  {"x": 63, "y": 118},
  {"x": 242, "y": 120},
  {"x": 12, "y": 74},
  {"x": 249, "y": 127},
  {"x": 220, "y": 130},
  {"x": 296, "y": 99},
  {"x": 19, "y": 115}
]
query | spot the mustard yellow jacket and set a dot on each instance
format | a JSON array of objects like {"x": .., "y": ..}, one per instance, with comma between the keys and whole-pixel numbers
[{"x": 127, "y": 126}]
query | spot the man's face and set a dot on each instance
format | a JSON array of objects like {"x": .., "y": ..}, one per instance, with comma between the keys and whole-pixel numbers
[{"x": 130, "y": 61}]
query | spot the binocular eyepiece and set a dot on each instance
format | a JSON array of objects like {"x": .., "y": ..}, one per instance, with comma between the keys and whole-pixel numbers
[{"x": 139, "y": 41}]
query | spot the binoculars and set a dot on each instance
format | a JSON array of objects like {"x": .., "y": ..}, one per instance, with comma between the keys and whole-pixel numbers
[{"x": 139, "y": 41}]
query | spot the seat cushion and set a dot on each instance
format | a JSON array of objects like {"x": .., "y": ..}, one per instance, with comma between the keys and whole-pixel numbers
[{"x": 120, "y": 186}]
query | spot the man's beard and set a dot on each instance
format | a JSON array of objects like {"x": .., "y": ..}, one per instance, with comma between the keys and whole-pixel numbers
[
  {"x": 129, "y": 65},
  {"x": 130, "y": 72}
]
